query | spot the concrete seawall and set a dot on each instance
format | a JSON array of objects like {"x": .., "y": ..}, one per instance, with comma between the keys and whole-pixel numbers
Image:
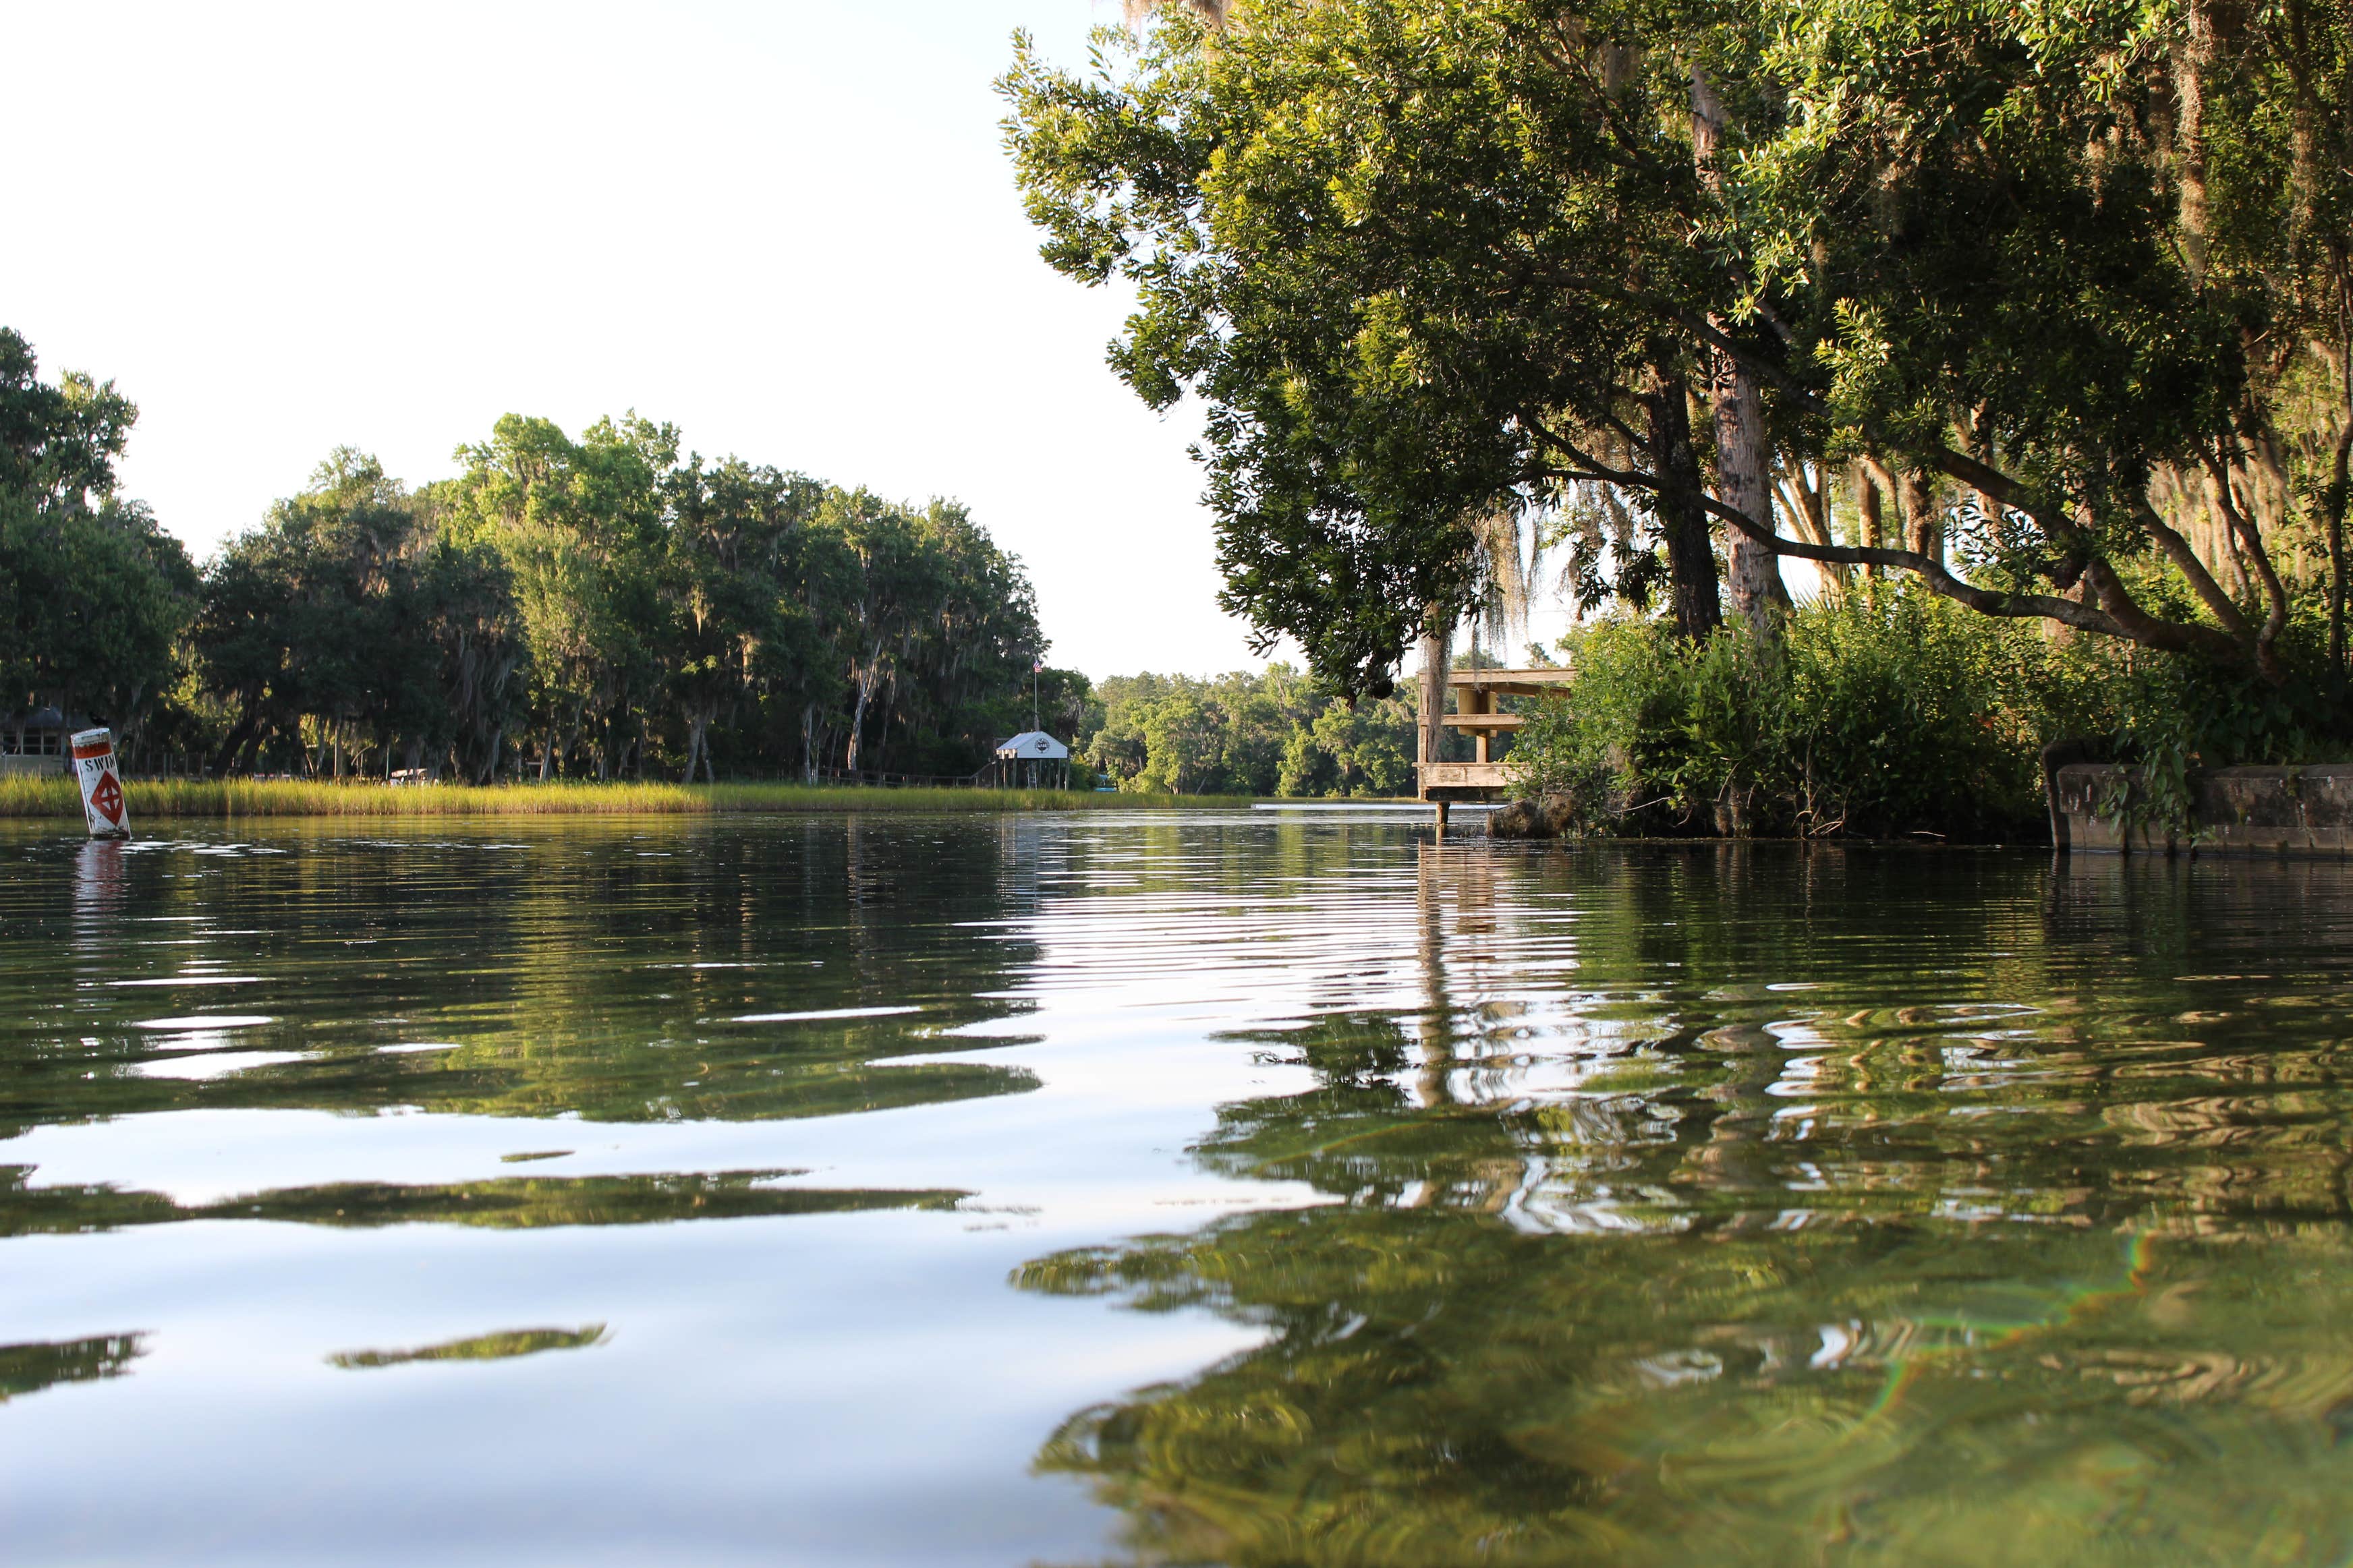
[{"x": 2305, "y": 812}]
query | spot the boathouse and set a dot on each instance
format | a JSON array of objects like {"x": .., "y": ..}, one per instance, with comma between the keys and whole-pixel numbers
[{"x": 1032, "y": 760}]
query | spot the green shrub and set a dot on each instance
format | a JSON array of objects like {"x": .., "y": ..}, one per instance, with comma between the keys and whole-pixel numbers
[{"x": 1883, "y": 715}]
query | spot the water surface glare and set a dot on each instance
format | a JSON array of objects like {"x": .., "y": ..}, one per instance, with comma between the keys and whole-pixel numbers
[{"x": 1166, "y": 1189}]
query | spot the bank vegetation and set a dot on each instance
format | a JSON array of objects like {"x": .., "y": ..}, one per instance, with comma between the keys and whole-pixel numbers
[
  {"x": 151, "y": 800},
  {"x": 606, "y": 607},
  {"x": 2041, "y": 311}
]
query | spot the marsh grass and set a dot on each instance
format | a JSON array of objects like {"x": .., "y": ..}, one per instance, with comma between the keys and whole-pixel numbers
[{"x": 153, "y": 799}]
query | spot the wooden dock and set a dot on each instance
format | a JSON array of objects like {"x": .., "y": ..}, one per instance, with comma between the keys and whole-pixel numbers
[{"x": 1475, "y": 691}]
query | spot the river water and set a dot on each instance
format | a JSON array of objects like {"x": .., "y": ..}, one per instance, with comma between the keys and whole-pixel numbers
[{"x": 1169, "y": 1188}]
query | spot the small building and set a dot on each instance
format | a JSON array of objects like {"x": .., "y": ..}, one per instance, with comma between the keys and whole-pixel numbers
[
  {"x": 36, "y": 741},
  {"x": 1032, "y": 760}
]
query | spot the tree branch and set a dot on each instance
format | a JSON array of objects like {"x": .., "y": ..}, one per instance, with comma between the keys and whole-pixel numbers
[
  {"x": 1941, "y": 581},
  {"x": 2184, "y": 561},
  {"x": 2266, "y": 654},
  {"x": 2117, "y": 615}
]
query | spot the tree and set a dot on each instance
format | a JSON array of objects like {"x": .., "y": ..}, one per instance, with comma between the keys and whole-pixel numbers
[
  {"x": 462, "y": 607},
  {"x": 1271, "y": 733},
  {"x": 2043, "y": 277},
  {"x": 1311, "y": 211},
  {"x": 351, "y": 610},
  {"x": 580, "y": 530},
  {"x": 92, "y": 607},
  {"x": 603, "y": 606},
  {"x": 58, "y": 443},
  {"x": 93, "y": 594},
  {"x": 738, "y": 536}
]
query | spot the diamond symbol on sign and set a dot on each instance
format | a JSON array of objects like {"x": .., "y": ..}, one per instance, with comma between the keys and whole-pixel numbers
[{"x": 108, "y": 797}]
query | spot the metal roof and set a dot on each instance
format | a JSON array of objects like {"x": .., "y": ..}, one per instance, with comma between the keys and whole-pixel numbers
[{"x": 1034, "y": 745}]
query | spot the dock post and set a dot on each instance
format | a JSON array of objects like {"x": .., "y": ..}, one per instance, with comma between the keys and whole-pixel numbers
[{"x": 1441, "y": 819}]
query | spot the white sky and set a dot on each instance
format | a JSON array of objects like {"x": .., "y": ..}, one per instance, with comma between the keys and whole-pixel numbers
[{"x": 788, "y": 228}]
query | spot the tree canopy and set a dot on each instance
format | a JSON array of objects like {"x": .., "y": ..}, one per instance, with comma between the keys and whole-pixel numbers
[
  {"x": 610, "y": 606},
  {"x": 2043, "y": 305},
  {"x": 93, "y": 594}
]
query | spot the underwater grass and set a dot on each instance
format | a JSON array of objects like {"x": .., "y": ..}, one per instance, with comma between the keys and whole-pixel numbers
[{"x": 168, "y": 798}]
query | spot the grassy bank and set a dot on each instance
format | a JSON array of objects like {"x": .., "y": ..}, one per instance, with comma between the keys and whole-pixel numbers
[{"x": 163, "y": 799}]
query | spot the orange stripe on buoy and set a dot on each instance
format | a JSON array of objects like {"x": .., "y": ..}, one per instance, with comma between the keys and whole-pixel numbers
[{"x": 83, "y": 753}]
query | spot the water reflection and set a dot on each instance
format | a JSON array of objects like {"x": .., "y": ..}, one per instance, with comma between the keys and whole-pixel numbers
[
  {"x": 515, "y": 1203},
  {"x": 1367, "y": 1202},
  {"x": 29, "y": 1368},
  {"x": 98, "y": 887},
  {"x": 621, "y": 975},
  {"x": 504, "y": 1345},
  {"x": 310, "y": 1101},
  {"x": 1869, "y": 1208}
]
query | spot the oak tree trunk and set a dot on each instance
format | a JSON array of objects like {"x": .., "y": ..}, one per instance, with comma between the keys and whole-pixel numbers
[
  {"x": 1436, "y": 653},
  {"x": 1691, "y": 559},
  {"x": 1923, "y": 517},
  {"x": 1743, "y": 483}
]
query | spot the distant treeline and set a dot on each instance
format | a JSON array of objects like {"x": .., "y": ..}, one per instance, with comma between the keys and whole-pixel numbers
[
  {"x": 1276, "y": 733},
  {"x": 601, "y": 608}
]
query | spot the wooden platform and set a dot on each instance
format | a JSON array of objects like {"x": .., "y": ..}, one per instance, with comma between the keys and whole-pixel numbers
[
  {"x": 1487, "y": 684},
  {"x": 1475, "y": 691},
  {"x": 1462, "y": 781}
]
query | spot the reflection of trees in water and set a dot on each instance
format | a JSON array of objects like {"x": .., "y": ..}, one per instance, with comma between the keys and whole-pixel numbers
[
  {"x": 29, "y": 1368},
  {"x": 503, "y": 1345},
  {"x": 589, "y": 969},
  {"x": 1438, "y": 1388},
  {"x": 2017, "y": 1240},
  {"x": 585, "y": 969},
  {"x": 512, "y": 1204}
]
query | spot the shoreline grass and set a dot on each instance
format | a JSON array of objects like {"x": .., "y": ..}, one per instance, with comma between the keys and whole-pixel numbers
[{"x": 165, "y": 799}]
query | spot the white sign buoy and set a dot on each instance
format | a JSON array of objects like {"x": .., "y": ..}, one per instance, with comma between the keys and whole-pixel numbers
[{"x": 101, "y": 784}]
